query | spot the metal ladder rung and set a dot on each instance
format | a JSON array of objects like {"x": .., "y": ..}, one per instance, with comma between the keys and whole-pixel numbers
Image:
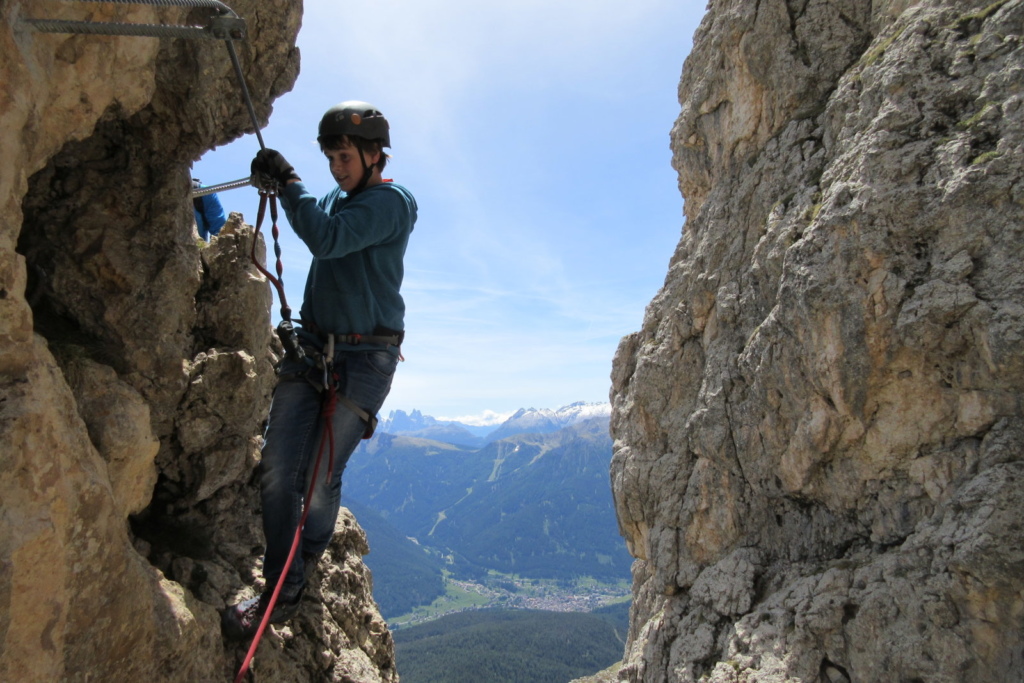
[
  {"x": 223, "y": 187},
  {"x": 236, "y": 31},
  {"x": 226, "y": 26}
]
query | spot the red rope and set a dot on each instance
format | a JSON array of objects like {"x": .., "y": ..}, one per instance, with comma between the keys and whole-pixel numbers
[
  {"x": 327, "y": 413},
  {"x": 329, "y": 403}
]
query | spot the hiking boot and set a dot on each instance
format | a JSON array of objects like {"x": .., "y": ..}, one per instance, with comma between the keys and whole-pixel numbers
[{"x": 243, "y": 620}]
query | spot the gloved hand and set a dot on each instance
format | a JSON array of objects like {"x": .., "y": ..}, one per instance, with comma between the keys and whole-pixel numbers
[{"x": 271, "y": 164}]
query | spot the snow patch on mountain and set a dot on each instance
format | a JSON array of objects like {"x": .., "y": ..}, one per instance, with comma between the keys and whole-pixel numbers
[
  {"x": 475, "y": 432},
  {"x": 488, "y": 418},
  {"x": 545, "y": 420}
]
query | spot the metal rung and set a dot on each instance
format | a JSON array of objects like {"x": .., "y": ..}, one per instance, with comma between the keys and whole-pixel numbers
[
  {"x": 223, "y": 187},
  {"x": 223, "y": 27}
]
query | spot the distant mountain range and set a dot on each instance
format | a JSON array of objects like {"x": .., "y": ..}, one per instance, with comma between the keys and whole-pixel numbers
[
  {"x": 524, "y": 421},
  {"x": 534, "y": 500},
  {"x": 426, "y": 427}
]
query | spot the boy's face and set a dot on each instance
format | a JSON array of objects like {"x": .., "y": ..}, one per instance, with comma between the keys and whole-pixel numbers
[{"x": 347, "y": 167}]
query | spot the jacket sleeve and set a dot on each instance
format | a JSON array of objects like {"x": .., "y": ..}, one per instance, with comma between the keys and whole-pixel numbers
[
  {"x": 375, "y": 217},
  {"x": 213, "y": 212}
]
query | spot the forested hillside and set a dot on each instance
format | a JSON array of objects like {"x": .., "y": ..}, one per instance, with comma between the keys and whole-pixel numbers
[
  {"x": 522, "y": 646},
  {"x": 535, "y": 505},
  {"x": 405, "y": 574}
]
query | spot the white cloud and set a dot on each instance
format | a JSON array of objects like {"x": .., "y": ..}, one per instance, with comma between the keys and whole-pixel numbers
[
  {"x": 428, "y": 62},
  {"x": 484, "y": 419}
]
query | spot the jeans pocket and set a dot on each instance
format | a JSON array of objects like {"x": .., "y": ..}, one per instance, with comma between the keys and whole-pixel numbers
[{"x": 383, "y": 363}]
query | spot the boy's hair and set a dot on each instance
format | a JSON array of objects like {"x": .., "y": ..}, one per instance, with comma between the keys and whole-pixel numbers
[{"x": 333, "y": 142}]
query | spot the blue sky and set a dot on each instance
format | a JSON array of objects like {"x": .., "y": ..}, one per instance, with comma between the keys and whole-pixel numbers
[{"x": 535, "y": 137}]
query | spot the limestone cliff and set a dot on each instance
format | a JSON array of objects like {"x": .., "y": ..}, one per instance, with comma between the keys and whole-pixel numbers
[
  {"x": 135, "y": 364},
  {"x": 819, "y": 443}
]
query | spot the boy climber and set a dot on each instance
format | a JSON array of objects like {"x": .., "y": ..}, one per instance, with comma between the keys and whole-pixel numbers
[{"x": 357, "y": 234}]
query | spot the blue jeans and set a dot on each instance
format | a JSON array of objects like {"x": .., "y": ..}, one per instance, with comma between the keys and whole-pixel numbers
[{"x": 294, "y": 431}]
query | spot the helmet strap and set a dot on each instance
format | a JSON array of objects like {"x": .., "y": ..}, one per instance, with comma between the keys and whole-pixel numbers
[{"x": 367, "y": 174}]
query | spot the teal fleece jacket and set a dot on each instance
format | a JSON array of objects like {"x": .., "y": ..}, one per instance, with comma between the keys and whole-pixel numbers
[{"x": 358, "y": 245}]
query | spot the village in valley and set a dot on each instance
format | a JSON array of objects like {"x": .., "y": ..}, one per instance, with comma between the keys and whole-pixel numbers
[{"x": 583, "y": 595}]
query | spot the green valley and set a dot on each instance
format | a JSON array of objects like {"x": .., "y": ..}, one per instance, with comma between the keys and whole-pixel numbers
[
  {"x": 499, "y": 591},
  {"x": 529, "y": 505},
  {"x": 499, "y": 562}
]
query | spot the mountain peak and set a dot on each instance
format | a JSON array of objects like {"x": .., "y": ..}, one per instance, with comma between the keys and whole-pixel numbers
[
  {"x": 523, "y": 421},
  {"x": 546, "y": 420}
]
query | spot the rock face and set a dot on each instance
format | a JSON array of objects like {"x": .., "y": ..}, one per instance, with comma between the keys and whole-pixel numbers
[
  {"x": 136, "y": 364},
  {"x": 819, "y": 443}
]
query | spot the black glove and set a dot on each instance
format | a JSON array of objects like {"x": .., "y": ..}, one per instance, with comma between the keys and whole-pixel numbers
[{"x": 269, "y": 163}]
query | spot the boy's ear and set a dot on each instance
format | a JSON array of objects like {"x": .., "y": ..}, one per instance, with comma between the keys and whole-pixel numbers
[{"x": 375, "y": 156}]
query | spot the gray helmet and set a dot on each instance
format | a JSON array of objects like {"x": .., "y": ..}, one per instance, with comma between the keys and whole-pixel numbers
[{"x": 355, "y": 118}]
